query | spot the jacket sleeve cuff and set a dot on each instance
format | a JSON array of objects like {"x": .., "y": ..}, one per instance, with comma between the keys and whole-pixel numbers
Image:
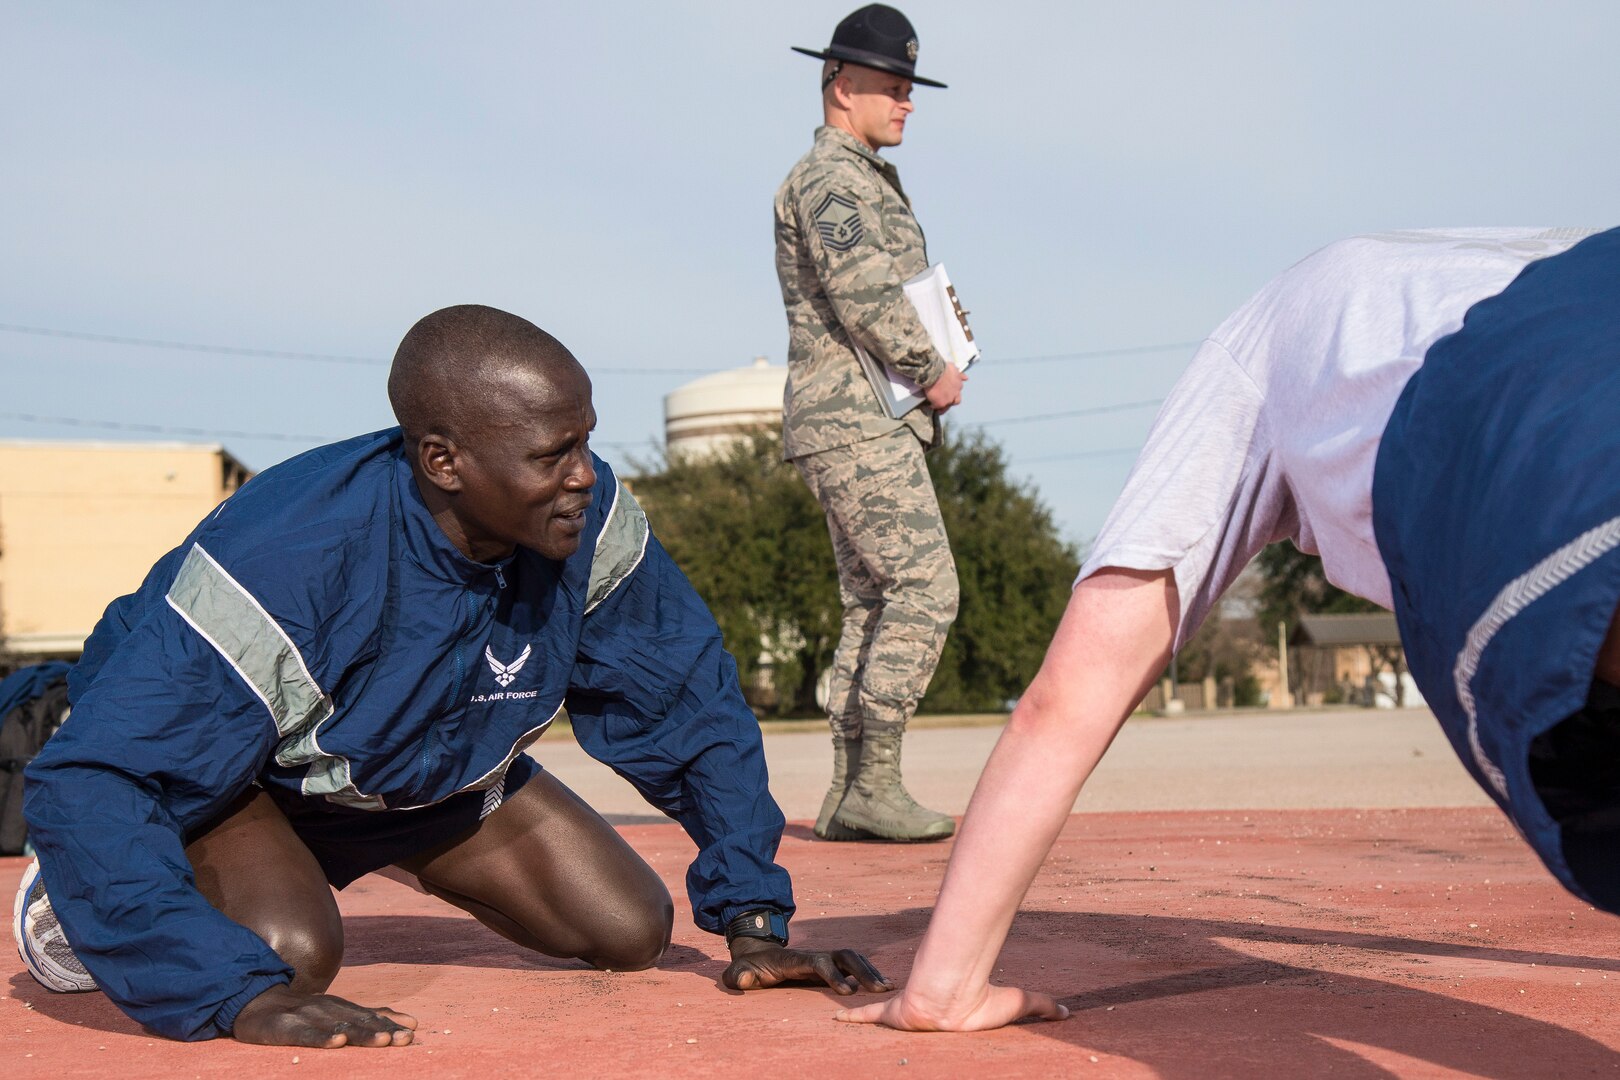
[
  {"x": 731, "y": 911},
  {"x": 896, "y": 338},
  {"x": 932, "y": 373},
  {"x": 225, "y": 1018}
]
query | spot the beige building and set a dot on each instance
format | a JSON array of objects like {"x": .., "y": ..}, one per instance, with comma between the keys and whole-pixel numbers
[{"x": 82, "y": 522}]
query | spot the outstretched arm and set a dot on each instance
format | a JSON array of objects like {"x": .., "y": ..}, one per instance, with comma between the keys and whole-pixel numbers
[
  {"x": 655, "y": 697},
  {"x": 1113, "y": 641}
]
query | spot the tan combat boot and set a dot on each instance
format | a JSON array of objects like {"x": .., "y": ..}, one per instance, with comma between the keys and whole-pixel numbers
[
  {"x": 846, "y": 760},
  {"x": 878, "y": 803}
]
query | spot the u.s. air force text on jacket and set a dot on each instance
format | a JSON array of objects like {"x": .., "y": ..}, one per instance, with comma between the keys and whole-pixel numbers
[
  {"x": 320, "y": 635},
  {"x": 846, "y": 241}
]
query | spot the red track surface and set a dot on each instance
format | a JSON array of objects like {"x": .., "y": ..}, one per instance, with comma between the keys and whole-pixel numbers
[{"x": 1190, "y": 944}]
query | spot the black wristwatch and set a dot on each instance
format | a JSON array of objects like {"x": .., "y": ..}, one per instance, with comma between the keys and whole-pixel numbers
[{"x": 766, "y": 923}]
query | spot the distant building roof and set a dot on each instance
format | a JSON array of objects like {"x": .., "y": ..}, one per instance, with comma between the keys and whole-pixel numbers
[{"x": 1362, "y": 628}]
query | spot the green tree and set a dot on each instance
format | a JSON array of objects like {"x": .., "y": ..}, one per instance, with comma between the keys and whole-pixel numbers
[
  {"x": 1016, "y": 573},
  {"x": 754, "y": 543},
  {"x": 1225, "y": 650},
  {"x": 1293, "y": 583}
]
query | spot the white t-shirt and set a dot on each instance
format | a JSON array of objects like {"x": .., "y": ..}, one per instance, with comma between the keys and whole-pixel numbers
[{"x": 1273, "y": 430}]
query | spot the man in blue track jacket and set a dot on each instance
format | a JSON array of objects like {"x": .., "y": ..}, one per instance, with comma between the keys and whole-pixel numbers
[{"x": 338, "y": 672}]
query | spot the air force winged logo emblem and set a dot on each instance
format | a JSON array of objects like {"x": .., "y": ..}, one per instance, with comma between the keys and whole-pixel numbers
[
  {"x": 839, "y": 222},
  {"x": 506, "y": 673}
]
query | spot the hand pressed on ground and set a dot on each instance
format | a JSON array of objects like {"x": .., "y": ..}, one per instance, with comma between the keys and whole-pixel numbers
[
  {"x": 1000, "y": 1005},
  {"x": 283, "y": 1017},
  {"x": 757, "y": 964}
]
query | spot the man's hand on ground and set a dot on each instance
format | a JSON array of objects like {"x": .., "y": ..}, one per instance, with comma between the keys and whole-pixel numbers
[
  {"x": 283, "y": 1017},
  {"x": 947, "y": 389},
  {"x": 757, "y": 964},
  {"x": 1001, "y": 1005}
]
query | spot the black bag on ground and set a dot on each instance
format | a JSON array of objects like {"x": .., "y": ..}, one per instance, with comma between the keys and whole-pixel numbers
[{"x": 33, "y": 704}]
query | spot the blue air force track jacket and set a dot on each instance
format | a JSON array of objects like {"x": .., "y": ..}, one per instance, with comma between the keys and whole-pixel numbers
[{"x": 319, "y": 634}]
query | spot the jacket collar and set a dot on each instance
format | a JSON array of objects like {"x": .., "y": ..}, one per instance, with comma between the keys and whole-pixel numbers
[
  {"x": 425, "y": 542},
  {"x": 844, "y": 140}
]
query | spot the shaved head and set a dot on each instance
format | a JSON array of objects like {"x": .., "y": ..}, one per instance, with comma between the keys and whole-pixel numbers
[
  {"x": 450, "y": 370},
  {"x": 497, "y": 419}
]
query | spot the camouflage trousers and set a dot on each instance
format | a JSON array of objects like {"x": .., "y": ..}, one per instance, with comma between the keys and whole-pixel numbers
[{"x": 896, "y": 576}]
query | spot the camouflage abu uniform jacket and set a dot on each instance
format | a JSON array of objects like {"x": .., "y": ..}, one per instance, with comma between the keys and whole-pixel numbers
[{"x": 845, "y": 242}]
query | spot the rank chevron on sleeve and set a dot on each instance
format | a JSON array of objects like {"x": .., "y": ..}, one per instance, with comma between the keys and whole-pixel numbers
[{"x": 839, "y": 222}]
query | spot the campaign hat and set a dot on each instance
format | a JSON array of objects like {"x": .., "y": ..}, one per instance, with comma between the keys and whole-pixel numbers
[{"x": 875, "y": 36}]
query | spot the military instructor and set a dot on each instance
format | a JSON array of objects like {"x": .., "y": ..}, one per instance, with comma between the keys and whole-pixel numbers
[{"x": 846, "y": 241}]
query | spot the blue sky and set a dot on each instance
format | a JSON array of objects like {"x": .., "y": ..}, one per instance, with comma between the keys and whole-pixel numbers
[{"x": 312, "y": 177}]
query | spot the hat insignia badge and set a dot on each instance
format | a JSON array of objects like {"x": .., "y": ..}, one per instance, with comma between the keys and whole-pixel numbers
[{"x": 911, "y": 50}]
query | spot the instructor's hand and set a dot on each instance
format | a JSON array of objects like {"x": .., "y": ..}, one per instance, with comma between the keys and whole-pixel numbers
[
  {"x": 283, "y": 1017},
  {"x": 999, "y": 1006},
  {"x": 947, "y": 389},
  {"x": 757, "y": 964}
]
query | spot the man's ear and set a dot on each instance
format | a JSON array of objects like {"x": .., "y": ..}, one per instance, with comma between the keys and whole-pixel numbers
[
  {"x": 842, "y": 90},
  {"x": 440, "y": 459}
]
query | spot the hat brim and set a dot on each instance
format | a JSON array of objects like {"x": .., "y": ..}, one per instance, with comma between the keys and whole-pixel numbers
[{"x": 868, "y": 59}]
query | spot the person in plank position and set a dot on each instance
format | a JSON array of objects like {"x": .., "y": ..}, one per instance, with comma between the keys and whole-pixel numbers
[
  {"x": 338, "y": 673},
  {"x": 1435, "y": 413}
]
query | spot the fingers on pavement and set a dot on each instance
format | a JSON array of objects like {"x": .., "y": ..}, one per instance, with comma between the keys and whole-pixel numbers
[{"x": 866, "y": 1014}]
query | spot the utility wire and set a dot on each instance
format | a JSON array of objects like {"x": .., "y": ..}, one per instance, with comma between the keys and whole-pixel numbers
[
  {"x": 279, "y": 354},
  {"x": 1077, "y": 454},
  {"x": 338, "y": 358},
  {"x": 159, "y": 429},
  {"x": 275, "y": 436},
  {"x": 374, "y": 361},
  {"x": 1095, "y": 410},
  {"x": 187, "y": 346},
  {"x": 1094, "y": 354}
]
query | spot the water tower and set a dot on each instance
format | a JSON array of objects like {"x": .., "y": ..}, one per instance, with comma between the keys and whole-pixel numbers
[{"x": 708, "y": 415}]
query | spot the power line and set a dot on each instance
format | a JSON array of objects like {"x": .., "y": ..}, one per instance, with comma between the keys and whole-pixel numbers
[
  {"x": 1095, "y": 354},
  {"x": 188, "y": 346},
  {"x": 376, "y": 361},
  {"x": 1095, "y": 410},
  {"x": 275, "y": 436},
  {"x": 160, "y": 429},
  {"x": 1076, "y": 455},
  {"x": 280, "y": 354}
]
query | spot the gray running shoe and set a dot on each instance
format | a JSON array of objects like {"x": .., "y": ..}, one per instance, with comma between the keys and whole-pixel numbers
[{"x": 44, "y": 951}]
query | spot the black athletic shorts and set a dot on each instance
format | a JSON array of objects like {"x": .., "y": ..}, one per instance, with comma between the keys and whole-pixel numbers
[
  {"x": 1576, "y": 770},
  {"x": 349, "y": 844}
]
